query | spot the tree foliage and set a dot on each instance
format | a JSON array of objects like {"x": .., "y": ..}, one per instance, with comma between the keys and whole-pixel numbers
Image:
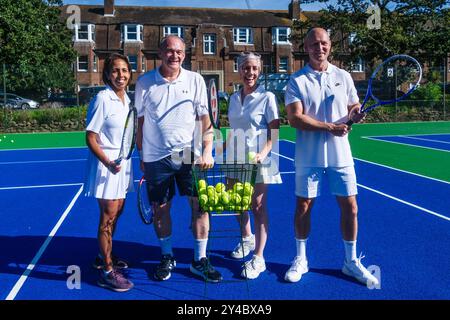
[
  {"x": 419, "y": 27},
  {"x": 35, "y": 45}
]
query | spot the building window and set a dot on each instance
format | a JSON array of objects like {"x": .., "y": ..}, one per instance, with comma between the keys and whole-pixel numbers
[
  {"x": 209, "y": 44},
  {"x": 82, "y": 63},
  {"x": 283, "y": 66},
  {"x": 95, "y": 64},
  {"x": 173, "y": 30},
  {"x": 235, "y": 65},
  {"x": 242, "y": 35},
  {"x": 280, "y": 35},
  {"x": 85, "y": 32},
  {"x": 357, "y": 65},
  {"x": 132, "y": 32},
  {"x": 143, "y": 64},
  {"x": 133, "y": 61}
]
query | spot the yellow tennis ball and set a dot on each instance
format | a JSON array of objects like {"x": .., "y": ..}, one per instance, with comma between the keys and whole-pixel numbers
[
  {"x": 248, "y": 189},
  {"x": 238, "y": 188},
  {"x": 245, "y": 201},
  {"x": 202, "y": 191},
  {"x": 203, "y": 200},
  {"x": 225, "y": 198},
  {"x": 251, "y": 157},
  {"x": 202, "y": 184},
  {"x": 213, "y": 199},
  {"x": 237, "y": 198},
  {"x": 220, "y": 187},
  {"x": 210, "y": 209},
  {"x": 219, "y": 208},
  {"x": 210, "y": 191}
]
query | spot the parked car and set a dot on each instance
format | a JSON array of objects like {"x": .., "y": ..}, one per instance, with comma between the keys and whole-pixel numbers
[
  {"x": 58, "y": 100},
  {"x": 14, "y": 101},
  {"x": 87, "y": 93}
]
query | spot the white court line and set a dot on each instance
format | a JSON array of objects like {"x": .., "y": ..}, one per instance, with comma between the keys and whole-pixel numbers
[
  {"x": 423, "y": 139},
  {"x": 406, "y": 202},
  {"x": 41, "y": 161},
  {"x": 403, "y": 201},
  {"x": 391, "y": 168},
  {"x": 405, "y": 144},
  {"x": 15, "y": 290},
  {"x": 42, "y": 186},
  {"x": 32, "y": 149}
]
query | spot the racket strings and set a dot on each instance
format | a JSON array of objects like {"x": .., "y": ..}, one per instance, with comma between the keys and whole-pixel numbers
[{"x": 395, "y": 79}]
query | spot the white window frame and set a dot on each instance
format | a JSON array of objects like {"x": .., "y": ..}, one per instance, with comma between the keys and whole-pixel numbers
[
  {"x": 139, "y": 32},
  {"x": 280, "y": 69},
  {"x": 90, "y": 32},
  {"x": 209, "y": 43},
  {"x": 235, "y": 65},
  {"x": 86, "y": 62},
  {"x": 240, "y": 38},
  {"x": 169, "y": 30},
  {"x": 358, "y": 65},
  {"x": 276, "y": 35},
  {"x": 134, "y": 65}
]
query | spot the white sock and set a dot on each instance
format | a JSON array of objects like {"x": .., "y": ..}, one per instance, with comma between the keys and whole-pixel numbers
[
  {"x": 200, "y": 248},
  {"x": 166, "y": 245},
  {"x": 350, "y": 250},
  {"x": 301, "y": 247},
  {"x": 249, "y": 238}
]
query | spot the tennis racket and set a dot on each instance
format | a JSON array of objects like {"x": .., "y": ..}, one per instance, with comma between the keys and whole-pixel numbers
[
  {"x": 145, "y": 209},
  {"x": 213, "y": 104},
  {"x": 392, "y": 81},
  {"x": 129, "y": 136}
]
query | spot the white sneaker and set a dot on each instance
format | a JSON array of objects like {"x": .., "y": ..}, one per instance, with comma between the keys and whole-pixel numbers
[
  {"x": 243, "y": 249},
  {"x": 253, "y": 268},
  {"x": 298, "y": 268},
  {"x": 356, "y": 270}
]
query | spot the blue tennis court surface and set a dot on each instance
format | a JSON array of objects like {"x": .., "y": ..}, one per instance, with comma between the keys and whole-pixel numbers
[
  {"x": 49, "y": 229},
  {"x": 431, "y": 141}
]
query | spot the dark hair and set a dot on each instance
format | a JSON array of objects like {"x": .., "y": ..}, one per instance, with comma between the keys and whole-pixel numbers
[{"x": 109, "y": 62}]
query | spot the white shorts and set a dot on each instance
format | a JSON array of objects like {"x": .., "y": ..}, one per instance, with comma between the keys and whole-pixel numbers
[{"x": 341, "y": 181}]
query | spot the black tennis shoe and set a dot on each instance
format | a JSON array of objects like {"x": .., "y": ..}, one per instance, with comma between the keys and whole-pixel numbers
[
  {"x": 165, "y": 267},
  {"x": 204, "y": 269}
]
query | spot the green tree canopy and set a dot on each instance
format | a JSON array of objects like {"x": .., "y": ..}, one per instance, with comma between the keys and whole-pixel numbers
[
  {"x": 35, "y": 45},
  {"x": 420, "y": 28}
]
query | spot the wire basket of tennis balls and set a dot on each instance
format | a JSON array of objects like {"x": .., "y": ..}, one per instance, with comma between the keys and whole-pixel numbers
[{"x": 225, "y": 187}]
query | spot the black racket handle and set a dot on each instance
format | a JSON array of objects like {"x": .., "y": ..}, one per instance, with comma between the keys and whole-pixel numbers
[{"x": 349, "y": 123}]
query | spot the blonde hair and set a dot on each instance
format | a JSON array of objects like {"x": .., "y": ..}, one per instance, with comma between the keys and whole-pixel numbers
[{"x": 245, "y": 56}]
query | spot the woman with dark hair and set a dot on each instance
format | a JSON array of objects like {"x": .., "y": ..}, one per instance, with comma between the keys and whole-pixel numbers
[{"x": 106, "y": 180}]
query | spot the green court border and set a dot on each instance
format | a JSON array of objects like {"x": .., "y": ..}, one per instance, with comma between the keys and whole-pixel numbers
[{"x": 431, "y": 163}]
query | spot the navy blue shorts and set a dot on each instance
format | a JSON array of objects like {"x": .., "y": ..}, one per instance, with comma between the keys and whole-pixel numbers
[{"x": 161, "y": 177}]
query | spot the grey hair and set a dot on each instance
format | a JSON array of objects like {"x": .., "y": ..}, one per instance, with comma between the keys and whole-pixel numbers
[
  {"x": 245, "y": 56},
  {"x": 163, "y": 43}
]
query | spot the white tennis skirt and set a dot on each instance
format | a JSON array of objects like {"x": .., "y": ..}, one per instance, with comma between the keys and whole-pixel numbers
[
  {"x": 102, "y": 183},
  {"x": 266, "y": 173}
]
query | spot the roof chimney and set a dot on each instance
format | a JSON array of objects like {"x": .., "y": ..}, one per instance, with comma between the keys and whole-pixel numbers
[
  {"x": 109, "y": 8},
  {"x": 294, "y": 10}
]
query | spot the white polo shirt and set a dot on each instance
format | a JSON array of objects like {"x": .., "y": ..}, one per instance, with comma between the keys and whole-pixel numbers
[
  {"x": 253, "y": 114},
  {"x": 170, "y": 110},
  {"x": 325, "y": 96},
  {"x": 106, "y": 116}
]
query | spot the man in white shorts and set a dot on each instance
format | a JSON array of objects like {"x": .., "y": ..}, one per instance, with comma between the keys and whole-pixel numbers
[
  {"x": 320, "y": 98},
  {"x": 172, "y": 106}
]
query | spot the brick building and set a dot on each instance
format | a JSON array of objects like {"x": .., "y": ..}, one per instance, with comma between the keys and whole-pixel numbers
[{"x": 214, "y": 38}]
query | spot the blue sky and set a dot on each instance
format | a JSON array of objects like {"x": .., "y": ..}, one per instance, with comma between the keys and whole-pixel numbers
[{"x": 237, "y": 4}]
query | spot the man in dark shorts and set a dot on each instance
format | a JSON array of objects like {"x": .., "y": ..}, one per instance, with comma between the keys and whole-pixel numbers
[{"x": 172, "y": 107}]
